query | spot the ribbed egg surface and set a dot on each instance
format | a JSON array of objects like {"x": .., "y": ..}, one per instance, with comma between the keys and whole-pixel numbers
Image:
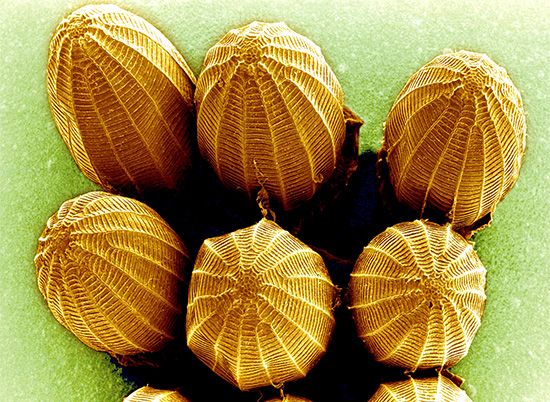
[
  {"x": 417, "y": 295},
  {"x": 289, "y": 398},
  {"x": 455, "y": 138},
  {"x": 112, "y": 272},
  {"x": 420, "y": 390},
  {"x": 150, "y": 394},
  {"x": 270, "y": 113},
  {"x": 122, "y": 98},
  {"x": 260, "y": 306}
]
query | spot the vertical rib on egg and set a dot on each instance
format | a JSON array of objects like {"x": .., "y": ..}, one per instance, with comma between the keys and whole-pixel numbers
[
  {"x": 270, "y": 113},
  {"x": 122, "y": 98},
  {"x": 112, "y": 272},
  {"x": 455, "y": 138}
]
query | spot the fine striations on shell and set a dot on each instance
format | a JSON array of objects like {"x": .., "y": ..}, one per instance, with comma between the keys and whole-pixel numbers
[
  {"x": 455, "y": 138},
  {"x": 289, "y": 398},
  {"x": 421, "y": 390},
  {"x": 112, "y": 272},
  {"x": 260, "y": 306},
  {"x": 122, "y": 98},
  {"x": 417, "y": 295},
  {"x": 150, "y": 394},
  {"x": 270, "y": 113}
]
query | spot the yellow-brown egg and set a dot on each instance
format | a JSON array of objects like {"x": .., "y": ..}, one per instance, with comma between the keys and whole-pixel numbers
[
  {"x": 122, "y": 98},
  {"x": 417, "y": 295},
  {"x": 289, "y": 398},
  {"x": 112, "y": 272},
  {"x": 455, "y": 138},
  {"x": 420, "y": 390},
  {"x": 150, "y": 394},
  {"x": 270, "y": 113},
  {"x": 260, "y": 306}
]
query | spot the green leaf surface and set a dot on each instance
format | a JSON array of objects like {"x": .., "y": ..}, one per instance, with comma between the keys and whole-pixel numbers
[{"x": 373, "y": 47}]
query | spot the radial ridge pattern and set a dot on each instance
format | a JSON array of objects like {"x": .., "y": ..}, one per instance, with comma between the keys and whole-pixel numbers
[
  {"x": 111, "y": 271},
  {"x": 417, "y": 295},
  {"x": 122, "y": 98},
  {"x": 149, "y": 394},
  {"x": 455, "y": 137},
  {"x": 420, "y": 390},
  {"x": 260, "y": 306},
  {"x": 270, "y": 113}
]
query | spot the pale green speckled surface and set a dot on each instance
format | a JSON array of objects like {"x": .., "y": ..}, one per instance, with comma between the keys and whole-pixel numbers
[{"x": 373, "y": 47}]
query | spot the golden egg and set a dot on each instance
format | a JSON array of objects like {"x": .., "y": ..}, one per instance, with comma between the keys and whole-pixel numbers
[
  {"x": 270, "y": 113},
  {"x": 260, "y": 306},
  {"x": 420, "y": 390},
  {"x": 289, "y": 398},
  {"x": 150, "y": 394},
  {"x": 111, "y": 271},
  {"x": 455, "y": 138},
  {"x": 417, "y": 295},
  {"x": 122, "y": 98}
]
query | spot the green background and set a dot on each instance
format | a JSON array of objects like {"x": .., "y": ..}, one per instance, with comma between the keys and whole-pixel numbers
[{"x": 373, "y": 47}]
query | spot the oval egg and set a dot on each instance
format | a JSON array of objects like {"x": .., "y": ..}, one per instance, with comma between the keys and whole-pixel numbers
[
  {"x": 270, "y": 113},
  {"x": 122, "y": 98},
  {"x": 112, "y": 272},
  {"x": 455, "y": 137}
]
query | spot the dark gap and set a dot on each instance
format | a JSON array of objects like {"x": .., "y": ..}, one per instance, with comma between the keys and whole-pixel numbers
[{"x": 339, "y": 231}]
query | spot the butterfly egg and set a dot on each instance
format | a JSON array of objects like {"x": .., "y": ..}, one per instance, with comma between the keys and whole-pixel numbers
[
  {"x": 417, "y": 295},
  {"x": 259, "y": 307},
  {"x": 122, "y": 98},
  {"x": 289, "y": 398},
  {"x": 112, "y": 272},
  {"x": 270, "y": 113},
  {"x": 422, "y": 390},
  {"x": 150, "y": 394},
  {"x": 455, "y": 138}
]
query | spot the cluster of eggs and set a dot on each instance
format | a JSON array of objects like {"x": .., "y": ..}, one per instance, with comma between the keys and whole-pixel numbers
[{"x": 271, "y": 123}]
